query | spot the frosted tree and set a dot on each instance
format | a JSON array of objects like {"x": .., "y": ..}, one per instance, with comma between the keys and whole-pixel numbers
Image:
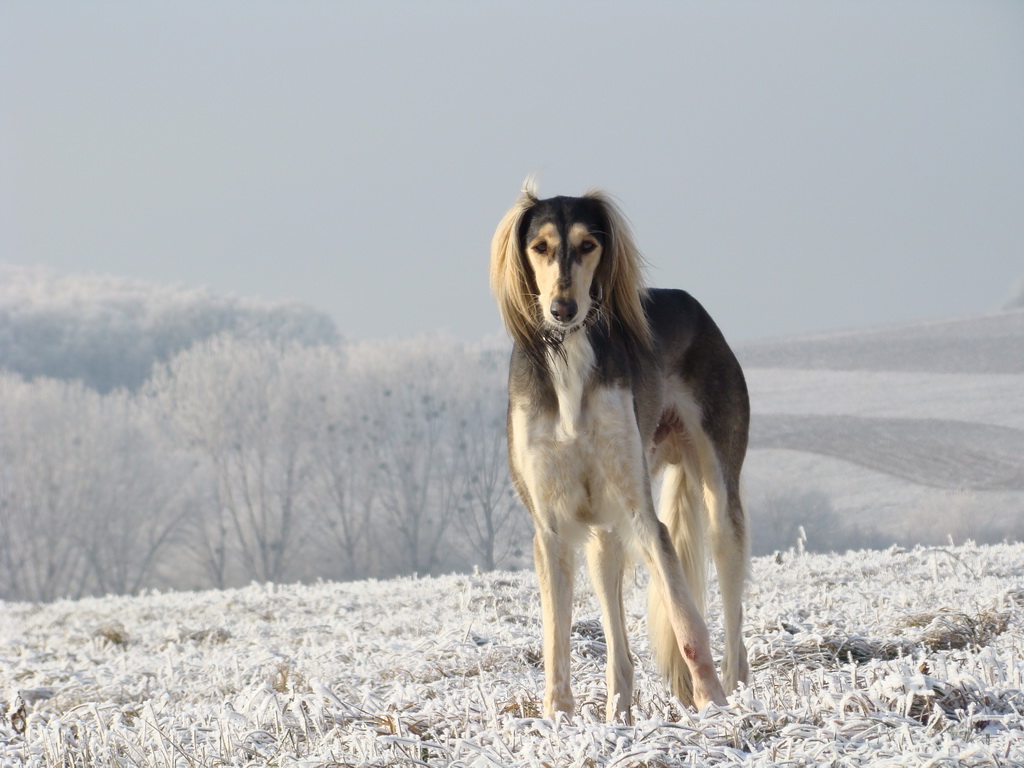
[
  {"x": 345, "y": 472},
  {"x": 488, "y": 513},
  {"x": 408, "y": 417},
  {"x": 89, "y": 501},
  {"x": 251, "y": 408},
  {"x": 142, "y": 496},
  {"x": 44, "y": 480}
]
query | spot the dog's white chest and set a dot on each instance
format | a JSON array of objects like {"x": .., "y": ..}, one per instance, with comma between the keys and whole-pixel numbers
[
  {"x": 570, "y": 372},
  {"x": 585, "y": 463}
]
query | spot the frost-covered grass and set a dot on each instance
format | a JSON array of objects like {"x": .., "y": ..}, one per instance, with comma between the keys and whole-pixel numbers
[{"x": 908, "y": 658}]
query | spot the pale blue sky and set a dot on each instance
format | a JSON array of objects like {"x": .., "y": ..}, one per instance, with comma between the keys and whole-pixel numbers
[{"x": 798, "y": 166}]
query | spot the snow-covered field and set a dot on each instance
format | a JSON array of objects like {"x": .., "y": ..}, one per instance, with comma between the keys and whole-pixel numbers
[
  {"x": 907, "y": 658},
  {"x": 912, "y": 432}
]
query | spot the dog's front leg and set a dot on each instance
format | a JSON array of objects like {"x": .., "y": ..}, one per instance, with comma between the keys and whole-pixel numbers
[
  {"x": 606, "y": 558},
  {"x": 555, "y": 563}
]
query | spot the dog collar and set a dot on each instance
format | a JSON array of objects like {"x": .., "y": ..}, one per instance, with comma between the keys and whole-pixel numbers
[{"x": 555, "y": 337}]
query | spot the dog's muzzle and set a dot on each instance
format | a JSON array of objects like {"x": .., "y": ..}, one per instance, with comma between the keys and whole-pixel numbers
[{"x": 564, "y": 310}]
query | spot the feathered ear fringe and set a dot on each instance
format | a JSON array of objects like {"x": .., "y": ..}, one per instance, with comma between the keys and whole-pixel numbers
[
  {"x": 619, "y": 276},
  {"x": 510, "y": 276}
]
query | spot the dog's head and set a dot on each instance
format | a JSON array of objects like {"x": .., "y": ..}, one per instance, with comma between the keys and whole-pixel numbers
[{"x": 563, "y": 262}]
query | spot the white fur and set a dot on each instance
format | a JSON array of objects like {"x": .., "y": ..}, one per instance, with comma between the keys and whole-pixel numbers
[
  {"x": 570, "y": 374},
  {"x": 584, "y": 468}
]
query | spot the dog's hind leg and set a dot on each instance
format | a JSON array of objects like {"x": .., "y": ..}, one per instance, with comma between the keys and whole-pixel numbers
[
  {"x": 731, "y": 552},
  {"x": 555, "y": 563},
  {"x": 689, "y": 631},
  {"x": 606, "y": 559},
  {"x": 682, "y": 512}
]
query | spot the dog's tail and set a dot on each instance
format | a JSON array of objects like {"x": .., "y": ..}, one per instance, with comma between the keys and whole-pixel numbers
[{"x": 682, "y": 512}]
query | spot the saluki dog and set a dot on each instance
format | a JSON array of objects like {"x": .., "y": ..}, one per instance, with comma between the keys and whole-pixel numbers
[{"x": 609, "y": 383}]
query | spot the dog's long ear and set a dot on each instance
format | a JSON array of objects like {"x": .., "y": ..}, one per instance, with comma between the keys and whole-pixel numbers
[
  {"x": 510, "y": 274},
  {"x": 619, "y": 277}
]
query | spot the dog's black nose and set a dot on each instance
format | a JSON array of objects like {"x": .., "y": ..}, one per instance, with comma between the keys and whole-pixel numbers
[{"x": 563, "y": 310}]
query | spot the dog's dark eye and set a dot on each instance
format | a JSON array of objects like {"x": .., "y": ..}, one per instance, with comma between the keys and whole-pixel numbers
[
  {"x": 541, "y": 247},
  {"x": 587, "y": 246}
]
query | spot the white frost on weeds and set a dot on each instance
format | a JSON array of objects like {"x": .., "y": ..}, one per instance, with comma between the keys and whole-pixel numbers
[{"x": 869, "y": 658}]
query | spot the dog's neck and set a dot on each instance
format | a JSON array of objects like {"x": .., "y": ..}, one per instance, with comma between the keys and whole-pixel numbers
[
  {"x": 554, "y": 338},
  {"x": 571, "y": 364}
]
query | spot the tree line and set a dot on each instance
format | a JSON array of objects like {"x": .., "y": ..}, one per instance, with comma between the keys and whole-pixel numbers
[
  {"x": 109, "y": 331},
  {"x": 247, "y": 459}
]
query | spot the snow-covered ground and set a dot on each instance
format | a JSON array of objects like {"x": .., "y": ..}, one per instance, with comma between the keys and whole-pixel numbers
[{"x": 910, "y": 658}]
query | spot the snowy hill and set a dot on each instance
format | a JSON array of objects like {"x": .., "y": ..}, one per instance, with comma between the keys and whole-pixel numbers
[
  {"x": 975, "y": 344},
  {"x": 908, "y": 658},
  {"x": 913, "y": 433}
]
